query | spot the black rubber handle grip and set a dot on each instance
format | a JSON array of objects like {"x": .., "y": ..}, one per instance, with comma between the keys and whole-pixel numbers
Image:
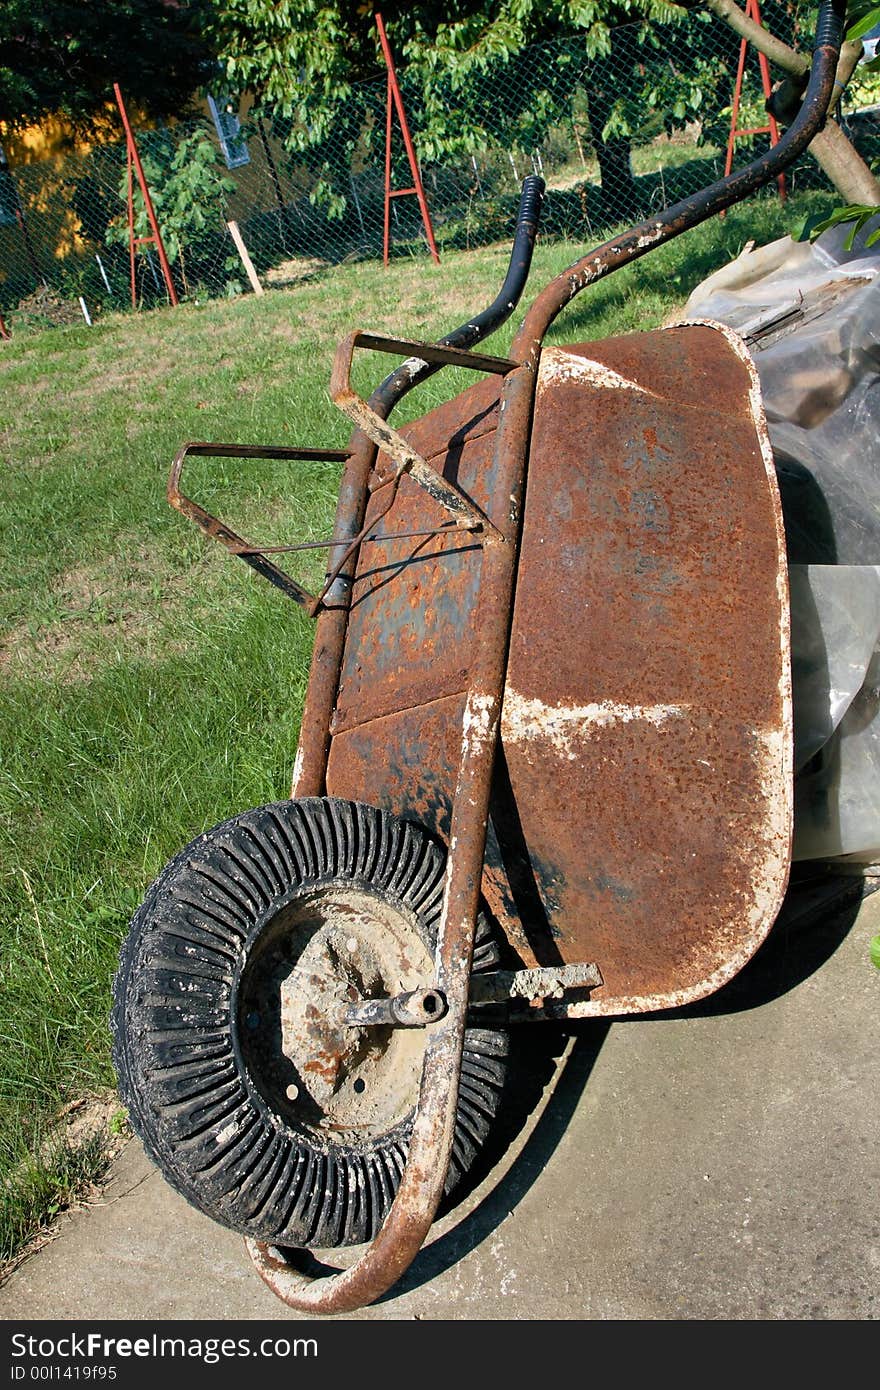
[{"x": 830, "y": 24}]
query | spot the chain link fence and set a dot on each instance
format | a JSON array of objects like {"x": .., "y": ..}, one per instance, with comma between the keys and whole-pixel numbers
[{"x": 616, "y": 137}]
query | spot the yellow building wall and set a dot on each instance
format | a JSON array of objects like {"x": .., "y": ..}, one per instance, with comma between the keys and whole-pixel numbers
[
  {"x": 42, "y": 159},
  {"x": 50, "y": 161}
]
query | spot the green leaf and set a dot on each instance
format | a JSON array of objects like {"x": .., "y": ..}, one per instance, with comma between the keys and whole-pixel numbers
[
  {"x": 875, "y": 951},
  {"x": 857, "y": 213},
  {"x": 811, "y": 226},
  {"x": 862, "y": 25}
]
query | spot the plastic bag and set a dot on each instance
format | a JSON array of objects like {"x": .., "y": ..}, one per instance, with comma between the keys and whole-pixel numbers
[{"x": 811, "y": 316}]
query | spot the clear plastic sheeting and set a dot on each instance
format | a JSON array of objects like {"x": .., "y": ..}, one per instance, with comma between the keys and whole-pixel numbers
[
  {"x": 835, "y": 655},
  {"x": 811, "y": 317}
]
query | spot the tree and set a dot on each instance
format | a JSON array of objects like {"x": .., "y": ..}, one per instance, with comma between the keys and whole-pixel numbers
[
  {"x": 64, "y": 56},
  {"x": 470, "y": 77},
  {"x": 189, "y": 192},
  {"x": 465, "y": 63}
]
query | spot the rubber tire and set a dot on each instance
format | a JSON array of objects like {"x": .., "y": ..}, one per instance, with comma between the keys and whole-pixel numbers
[{"x": 188, "y": 1093}]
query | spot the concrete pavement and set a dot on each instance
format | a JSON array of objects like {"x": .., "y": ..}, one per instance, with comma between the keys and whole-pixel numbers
[{"x": 720, "y": 1162}]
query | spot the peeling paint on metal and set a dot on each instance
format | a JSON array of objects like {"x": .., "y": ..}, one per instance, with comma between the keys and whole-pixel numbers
[
  {"x": 297, "y": 770},
  {"x": 479, "y": 723},
  {"x": 565, "y": 727},
  {"x": 650, "y": 238},
  {"x": 559, "y": 365}
]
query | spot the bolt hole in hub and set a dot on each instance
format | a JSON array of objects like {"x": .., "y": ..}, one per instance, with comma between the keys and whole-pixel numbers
[{"x": 322, "y": 952}]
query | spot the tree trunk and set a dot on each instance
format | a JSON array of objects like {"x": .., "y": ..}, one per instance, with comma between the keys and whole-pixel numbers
[
  {"x": 620, "y": 196},
  {"x": 851, "y": 177},
  {"x": 835, "y": 154}
]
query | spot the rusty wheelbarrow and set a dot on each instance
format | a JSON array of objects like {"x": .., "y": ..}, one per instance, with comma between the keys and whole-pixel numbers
[{"x": 544, "y": 768}]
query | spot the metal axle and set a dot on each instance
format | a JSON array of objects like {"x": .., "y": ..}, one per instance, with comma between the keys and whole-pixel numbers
[{"x": 419, "y": 1007}]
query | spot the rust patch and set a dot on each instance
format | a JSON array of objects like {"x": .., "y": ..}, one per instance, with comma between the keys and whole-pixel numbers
[
  {"x": 647, "y": 702},
  {"x": 646, "y": 720}
]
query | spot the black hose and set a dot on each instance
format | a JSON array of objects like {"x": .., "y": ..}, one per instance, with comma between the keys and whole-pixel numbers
[
  {"x": 696, "y": 208},
  {"x": 830, "y": 23},
  {"x": 503, "y": 305},
  {"x": 474, "y": 330}
]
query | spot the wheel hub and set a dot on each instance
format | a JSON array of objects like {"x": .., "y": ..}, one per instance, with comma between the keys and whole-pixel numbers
[{"x": 330, "y": 949}]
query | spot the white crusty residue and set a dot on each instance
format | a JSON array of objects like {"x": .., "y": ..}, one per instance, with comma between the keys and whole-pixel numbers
[
  {"x": 297, "y": 769},
  {"x": 559, "y": 365},
  {"x": 650, "y": 238},
  {"x": 566, "y": 726},
  {"x": 478, "y": 726},
  {"x": 412, "y": 366},
  {"x": 228, "y": 1132},
  {"x": 774, "y": 751}
]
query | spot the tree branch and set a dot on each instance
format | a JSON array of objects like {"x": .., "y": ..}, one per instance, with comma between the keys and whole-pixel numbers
[
  {"x": 835, "y": 154},
  {"x": 786, "y": 58},
  {"x": 778, "y": 52}
]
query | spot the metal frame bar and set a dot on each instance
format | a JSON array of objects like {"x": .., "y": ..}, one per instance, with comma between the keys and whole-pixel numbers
[
  {"x": 252, "y": 555},
  {"x": 464, "y": 512}
]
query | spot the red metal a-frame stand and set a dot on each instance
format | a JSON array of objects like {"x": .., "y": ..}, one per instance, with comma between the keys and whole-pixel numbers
[
  {"x": 155, "y": 239},
  {"x": 754, "y": 13},
  {"x": 395, "y": 102}
]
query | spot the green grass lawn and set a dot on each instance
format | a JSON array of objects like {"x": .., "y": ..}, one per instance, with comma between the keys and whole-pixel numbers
[{"x": 151, "y": 684}]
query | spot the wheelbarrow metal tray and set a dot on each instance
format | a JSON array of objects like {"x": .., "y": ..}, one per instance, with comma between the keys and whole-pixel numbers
[{"x": 641, "y": 808}]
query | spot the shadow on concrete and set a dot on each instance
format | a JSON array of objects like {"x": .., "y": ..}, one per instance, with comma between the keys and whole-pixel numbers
[
  {"x": 534, "y": 1056},
  {"x": 534, "y": 1053},
  {"x": 818, "y": 912}
]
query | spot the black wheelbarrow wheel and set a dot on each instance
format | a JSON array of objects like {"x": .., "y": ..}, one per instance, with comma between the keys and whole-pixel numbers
[{"x": 248, "y": 1090}]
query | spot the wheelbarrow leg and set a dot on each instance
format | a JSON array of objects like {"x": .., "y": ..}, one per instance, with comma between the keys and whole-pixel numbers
[{"x": 421, "y": 1185}]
